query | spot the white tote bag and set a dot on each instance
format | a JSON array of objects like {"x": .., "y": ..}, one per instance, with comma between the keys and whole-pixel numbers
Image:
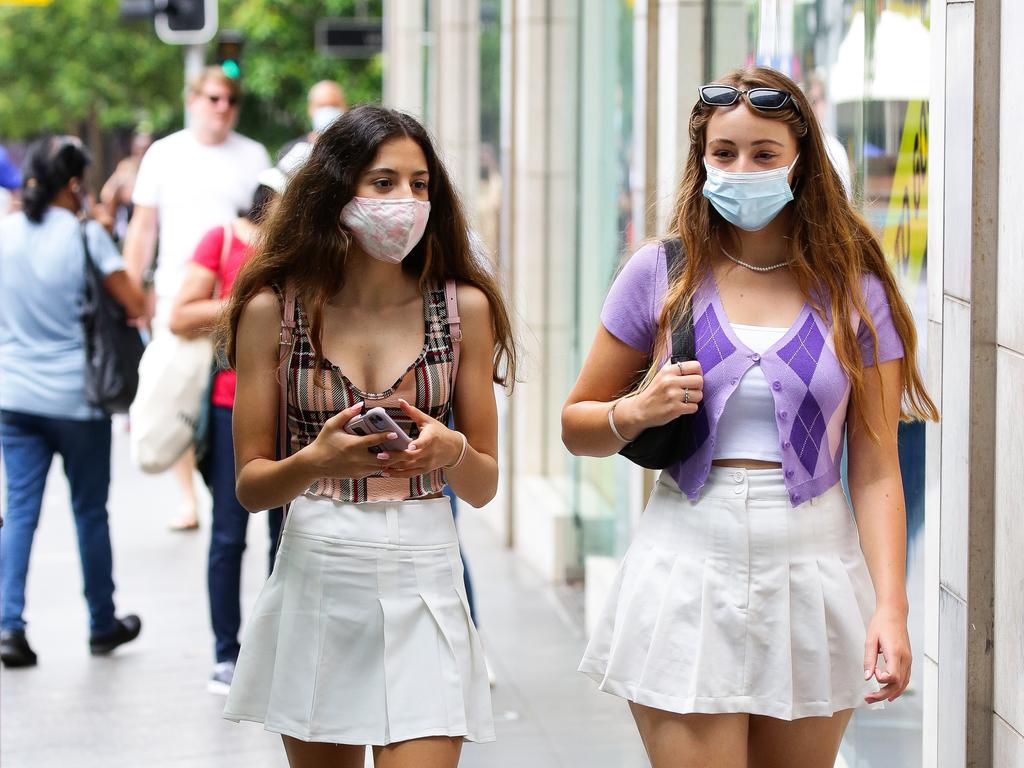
[{"x": 173, "y": 375}]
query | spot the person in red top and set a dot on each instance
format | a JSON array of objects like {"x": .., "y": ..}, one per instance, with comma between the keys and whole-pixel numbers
[{"x": 207, "y": 285}]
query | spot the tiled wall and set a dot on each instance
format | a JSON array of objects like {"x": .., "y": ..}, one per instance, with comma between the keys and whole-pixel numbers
[{"x": 974, "y": 645}]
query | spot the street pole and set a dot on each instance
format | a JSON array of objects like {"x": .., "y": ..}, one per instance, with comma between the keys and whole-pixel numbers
[{"x": 195, "y": 59}]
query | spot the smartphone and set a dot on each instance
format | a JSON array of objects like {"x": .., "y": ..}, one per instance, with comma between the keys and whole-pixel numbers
[{"x": 374, "y": 421}]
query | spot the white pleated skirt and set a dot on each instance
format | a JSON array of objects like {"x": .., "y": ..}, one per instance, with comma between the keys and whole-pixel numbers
[
  {"x": 738, "y": 602},
  {"x": 362, "y": 634}
]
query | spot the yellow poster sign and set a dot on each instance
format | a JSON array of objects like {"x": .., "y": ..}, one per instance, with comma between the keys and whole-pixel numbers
[{"x": 905, "y": 238}]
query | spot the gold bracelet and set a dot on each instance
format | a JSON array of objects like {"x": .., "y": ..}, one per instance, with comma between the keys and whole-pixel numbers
[
  {"x": 611, "y": 422},
  {"x": 462, "y": 455}
]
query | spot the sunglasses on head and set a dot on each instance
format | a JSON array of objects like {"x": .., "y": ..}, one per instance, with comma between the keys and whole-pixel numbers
[
  {"x": 216, "y": 98},
  {"x": 759, "y": 98}
]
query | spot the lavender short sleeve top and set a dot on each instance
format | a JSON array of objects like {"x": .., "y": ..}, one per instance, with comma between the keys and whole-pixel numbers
[{"x": 810, "y": 388}]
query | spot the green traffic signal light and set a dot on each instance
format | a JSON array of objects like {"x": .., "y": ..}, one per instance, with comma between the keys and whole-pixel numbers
[{"x": 231, "y": 69}]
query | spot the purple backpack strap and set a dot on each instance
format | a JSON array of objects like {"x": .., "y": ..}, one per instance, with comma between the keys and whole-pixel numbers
[{"x": 454, "y": 325}]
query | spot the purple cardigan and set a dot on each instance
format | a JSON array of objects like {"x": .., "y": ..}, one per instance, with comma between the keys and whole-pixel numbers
[{"x": 810, "y": 389}]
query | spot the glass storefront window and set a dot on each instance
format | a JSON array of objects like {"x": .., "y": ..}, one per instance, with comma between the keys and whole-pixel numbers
[
  {"x": 865, "y": 67},
  {"x": 601, "y": 486}
]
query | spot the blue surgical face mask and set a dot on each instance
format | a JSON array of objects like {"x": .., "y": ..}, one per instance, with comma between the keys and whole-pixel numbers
[{"x": 749, "y": 200}]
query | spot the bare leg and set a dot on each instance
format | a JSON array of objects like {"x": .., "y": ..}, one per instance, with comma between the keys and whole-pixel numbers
[
  {"x": 810, "y": 742},
  {"x": 692, "y": 741},
  {"x": 312, "y": 754},
  {"x": 184, "y": 473},
  {"x": 430, "y": 752}
]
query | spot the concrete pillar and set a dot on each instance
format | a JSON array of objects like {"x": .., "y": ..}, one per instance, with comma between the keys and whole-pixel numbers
[
  {"x": 540, "y": 160},
  {"x": 974, "y": 714},
  {"x": 404, "y": 37},
  {"x": 454, "y": 92}
]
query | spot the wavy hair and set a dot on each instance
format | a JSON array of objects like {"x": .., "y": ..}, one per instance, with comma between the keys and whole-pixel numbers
[
  {"x": 305, "y": 244},
  {"x": 831, "y": 246}
]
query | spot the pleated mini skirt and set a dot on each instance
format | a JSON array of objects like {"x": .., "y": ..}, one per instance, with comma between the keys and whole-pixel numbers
[
  {"x": 738, "y": 602},
  {"x": 362, "y": 634}
]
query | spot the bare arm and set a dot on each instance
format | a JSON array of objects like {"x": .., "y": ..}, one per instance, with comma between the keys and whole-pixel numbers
[
  {"x": 140, "y": 241},
  {"x": 876, "y": 489},
  {"x": 608, "y": 373},
  {"x": 194, "y": 311},
  {"x": 263, "y": 481},
  {"x": 475, "y": 480},
  {"x": 126, "y": 293}
]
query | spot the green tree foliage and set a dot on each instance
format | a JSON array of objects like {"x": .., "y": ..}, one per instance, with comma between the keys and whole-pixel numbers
[
  {"x": 280, "y": 62},
  {"x": 73, "y": 62}
]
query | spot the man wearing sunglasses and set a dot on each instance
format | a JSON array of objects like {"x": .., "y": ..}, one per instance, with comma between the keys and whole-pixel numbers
[{"x": 187, "y": 184}]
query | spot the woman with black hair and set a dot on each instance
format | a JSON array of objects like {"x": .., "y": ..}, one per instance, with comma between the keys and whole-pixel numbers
[
  {"x": 362, "y": 635},
  {"x": 43, "y": 410},
  {"x": 208, "y": 280}
]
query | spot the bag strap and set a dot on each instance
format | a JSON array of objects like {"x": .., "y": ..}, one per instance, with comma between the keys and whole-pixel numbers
[
  {"x": 229, "y": 233},
  {"x": 684, "y": 346},
  {"x": 285, "y": 341},
  {"x": 454, "y": 325}
]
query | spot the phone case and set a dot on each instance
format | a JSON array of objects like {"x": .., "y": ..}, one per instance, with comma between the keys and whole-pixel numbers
[{"x": 376, "y": 420}]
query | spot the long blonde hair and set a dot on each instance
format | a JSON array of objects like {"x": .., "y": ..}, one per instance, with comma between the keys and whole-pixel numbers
[{"x": 831, "y": 245}]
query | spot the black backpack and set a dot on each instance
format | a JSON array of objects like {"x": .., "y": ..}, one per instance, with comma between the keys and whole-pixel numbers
[{"x": 112, "y": 347}]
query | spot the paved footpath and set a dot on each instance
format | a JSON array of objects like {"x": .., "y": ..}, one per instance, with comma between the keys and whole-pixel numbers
[{"x": 146, "y": 705}]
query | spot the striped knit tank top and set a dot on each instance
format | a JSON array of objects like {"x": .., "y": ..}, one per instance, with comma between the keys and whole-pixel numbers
[{"x": 315, "y": 397}]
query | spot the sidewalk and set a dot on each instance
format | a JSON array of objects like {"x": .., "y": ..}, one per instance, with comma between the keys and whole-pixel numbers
[{"x": 146, "y": 705}]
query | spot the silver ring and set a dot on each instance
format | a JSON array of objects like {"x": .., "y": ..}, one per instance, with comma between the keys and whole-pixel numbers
[
  {"x": 679, "y": 365},
  {"x": 686, "y": 395}
]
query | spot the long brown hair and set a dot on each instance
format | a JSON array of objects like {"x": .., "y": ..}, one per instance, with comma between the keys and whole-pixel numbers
[
  {"x": 305, "y": 244},
  {"x": 831, "y": 246}
]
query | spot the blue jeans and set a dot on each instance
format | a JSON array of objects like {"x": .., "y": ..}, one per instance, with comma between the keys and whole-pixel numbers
[
  {"x": 227, "y": 538},
  {"x": 29, "y": 443}
]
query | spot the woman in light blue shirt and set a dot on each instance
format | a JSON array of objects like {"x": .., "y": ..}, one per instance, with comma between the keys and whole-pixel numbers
[{"x": 42, "y": 402}]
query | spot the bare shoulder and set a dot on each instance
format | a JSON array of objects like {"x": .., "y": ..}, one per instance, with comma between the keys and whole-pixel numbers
[
  {"x": 474, "y": 306},
  {"x": 261, "y": 317}
]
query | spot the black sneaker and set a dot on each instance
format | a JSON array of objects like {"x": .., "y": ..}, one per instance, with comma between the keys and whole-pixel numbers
[
  {"x": 125, "y": 629},
  {"x": 15, "y": 650}
]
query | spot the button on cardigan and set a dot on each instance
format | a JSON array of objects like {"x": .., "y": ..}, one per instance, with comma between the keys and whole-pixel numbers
[{"x": 810, "y": 388}]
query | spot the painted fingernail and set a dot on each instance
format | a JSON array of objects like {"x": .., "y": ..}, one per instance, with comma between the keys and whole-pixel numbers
[
  {"x": 383, "y": 456},
  {"x": 412, "y": 446},
  {"x": 385, "y": 474},
  {"x": 867, "y": 674},
  {"x": 392, "y": 436},
  {"x": 358, "y": 405}
]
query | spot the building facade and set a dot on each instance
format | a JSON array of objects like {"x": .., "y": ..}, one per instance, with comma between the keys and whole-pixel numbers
[{"x": 565, "y": 125}]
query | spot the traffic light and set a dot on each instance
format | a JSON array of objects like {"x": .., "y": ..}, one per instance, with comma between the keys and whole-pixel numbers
[
  {"x": 229, "y": 53},
  {"x": 185, "y": 22}
]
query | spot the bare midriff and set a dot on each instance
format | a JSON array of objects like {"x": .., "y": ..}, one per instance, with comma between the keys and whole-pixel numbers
[{"x": 747, "y": 463}]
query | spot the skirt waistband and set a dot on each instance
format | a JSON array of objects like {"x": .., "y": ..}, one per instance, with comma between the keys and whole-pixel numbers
[
  {"x": 410, "y": 523},
  {"x": 729, "y": 482}
]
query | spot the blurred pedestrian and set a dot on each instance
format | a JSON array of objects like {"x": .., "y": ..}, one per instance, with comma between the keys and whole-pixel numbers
[
  {"x": 187, "y": 183},
  {"x": 218, "y": 257},
  {"x": 325, "y": 104},
  {"x": 342, "y": 649},
  {"x": 116, "y": 194},
  {"x": 752, "y": 605},
  {"x": 43, "y": 410},
  {"x": 10, "y": 181}
]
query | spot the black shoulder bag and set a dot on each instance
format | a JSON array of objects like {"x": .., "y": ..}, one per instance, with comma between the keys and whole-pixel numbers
[
  {"x": 661, "y": 447},
  {"x": 112, "y": 347}
]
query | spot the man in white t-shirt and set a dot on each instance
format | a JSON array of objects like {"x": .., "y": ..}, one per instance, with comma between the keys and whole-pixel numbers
[{"x": 188, "y": 183}]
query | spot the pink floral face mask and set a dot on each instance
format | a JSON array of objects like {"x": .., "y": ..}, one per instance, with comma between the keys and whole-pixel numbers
[{"x": 386, "y": 228}]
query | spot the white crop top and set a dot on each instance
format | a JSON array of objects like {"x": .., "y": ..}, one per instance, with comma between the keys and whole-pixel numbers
[{"x": 747, "y": 427}]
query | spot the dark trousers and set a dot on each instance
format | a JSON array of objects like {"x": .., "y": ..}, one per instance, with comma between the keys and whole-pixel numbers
[
  {"x": 29, "y": 443},
  {"x": 227, "y": 538}
]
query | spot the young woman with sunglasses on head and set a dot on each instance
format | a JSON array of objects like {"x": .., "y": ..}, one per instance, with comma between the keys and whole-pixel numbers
[
  {"x": 362, "y": 635},
  {"x": 752, "y": 608}
]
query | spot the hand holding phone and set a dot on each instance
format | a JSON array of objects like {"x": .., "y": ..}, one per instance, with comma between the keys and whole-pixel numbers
[{"x": 376, "y": 420}]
